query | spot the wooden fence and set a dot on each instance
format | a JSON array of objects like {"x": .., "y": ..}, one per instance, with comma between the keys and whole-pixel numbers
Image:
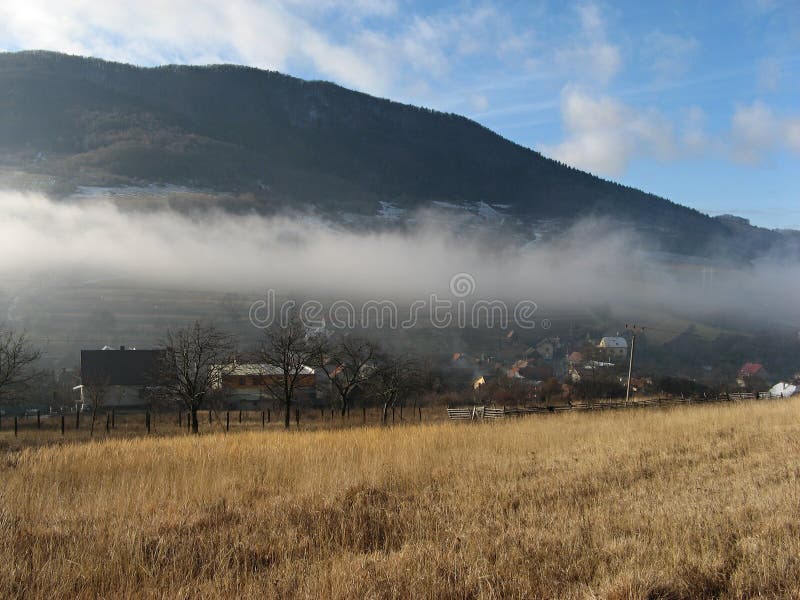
[
  {"x": 140, "y": 421},
  {"x": 490, "y": 413}
]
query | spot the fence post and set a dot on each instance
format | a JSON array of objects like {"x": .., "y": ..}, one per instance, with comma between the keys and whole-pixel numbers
[
  {"x": 419, "y": 408},
  {"x": 401, "y": 412},
  {"x": 188, "y": 422},
  {"x": 77, "y": 418},
  {"x": 113, "y": 419},
  {"x": 147, "y": 421},
  {"x": 321, "y": 414},
  {"x": 364, "y": 413},
  {"x": 108, "y": 422},
  {"x": 38, "y": 419},
  {"x": 62, "y": 424},
  {"x": 240, "y": 415},
  {"x": 15, "y": 425},
  {"x": 227, "y": 420},
  {"x": 263, "y": 419},
  {"x": 209, "y": 416},
  {"x": 393, "y": 414}
]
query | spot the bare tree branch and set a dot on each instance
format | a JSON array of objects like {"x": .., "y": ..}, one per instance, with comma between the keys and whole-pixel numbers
[
  {"x": 287, "y": 351},
  {"x": 196, "y": 359},
  {"x": 396, "y": 378},
  {"x": 17, "y": 355},
  {"x": 349, "y": 364}
]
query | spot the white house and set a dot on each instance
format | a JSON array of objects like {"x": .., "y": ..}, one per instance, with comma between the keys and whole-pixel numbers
[{"x": 614, "y": 346}]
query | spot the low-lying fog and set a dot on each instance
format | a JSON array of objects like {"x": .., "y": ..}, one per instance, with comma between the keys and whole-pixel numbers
[{"x": 593, "y": 263}]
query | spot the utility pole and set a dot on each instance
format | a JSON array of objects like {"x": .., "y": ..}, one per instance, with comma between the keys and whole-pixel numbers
[{"x": 633, "y": 328}]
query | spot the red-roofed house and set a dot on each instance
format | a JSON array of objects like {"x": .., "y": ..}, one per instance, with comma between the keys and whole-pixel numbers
[{"x": 751, "y": 371}]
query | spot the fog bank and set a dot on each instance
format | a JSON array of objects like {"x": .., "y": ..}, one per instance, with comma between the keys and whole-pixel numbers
[{"x": 594, "y": 263}]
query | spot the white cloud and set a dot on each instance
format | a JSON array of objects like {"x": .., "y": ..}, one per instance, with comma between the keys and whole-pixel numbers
[
  {"x": 757, "y": 131},
  {"x": 591, "y": 20},
  {"x": 792, "y": 134},
  {"x": 754, "y": 131},
  {"x": 266, "y": 34},
  {"x": 590, "y": 55},
  {"x": 603, "y": 134},
  {"x": 343, "y": 40}
]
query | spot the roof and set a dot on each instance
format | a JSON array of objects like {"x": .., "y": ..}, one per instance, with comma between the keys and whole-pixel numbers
[
  {"x": 783, "y": 390},
  {"x": 613, "y": 342},
  {"x": 244, "y": 369},
  {"x": 750, "y": 369},
  {"x": 120, "y": 367}
]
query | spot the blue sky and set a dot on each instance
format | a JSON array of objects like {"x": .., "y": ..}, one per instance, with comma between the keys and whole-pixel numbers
[{"x": 695, "y": 101}]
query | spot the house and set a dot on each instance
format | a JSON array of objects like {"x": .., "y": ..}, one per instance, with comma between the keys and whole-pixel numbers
[
  {"x": 119, "y": 377},
  {"x": 480, "y": 380},
  {"x": 248, "y": 383},
  {"x": 614, "y": 346},
  {"x": 751, "y": 372}
]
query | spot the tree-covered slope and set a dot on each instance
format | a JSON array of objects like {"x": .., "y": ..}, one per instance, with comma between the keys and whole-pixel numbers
[{"x": 284, "y": 141}]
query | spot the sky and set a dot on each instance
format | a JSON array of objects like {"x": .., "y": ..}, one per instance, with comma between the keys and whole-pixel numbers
[{"x": 698, "y": 102}]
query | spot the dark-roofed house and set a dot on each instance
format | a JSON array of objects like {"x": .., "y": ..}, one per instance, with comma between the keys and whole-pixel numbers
[{"x": 126, "y": 376}]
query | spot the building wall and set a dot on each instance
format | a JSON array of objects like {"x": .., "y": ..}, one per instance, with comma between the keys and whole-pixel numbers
[
  {"x": 118, "y": 396},
  {"x": 250, "y": 389}
]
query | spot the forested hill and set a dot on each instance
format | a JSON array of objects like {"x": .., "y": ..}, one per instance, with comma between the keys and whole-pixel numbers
[{"x": 284, "y": 141}]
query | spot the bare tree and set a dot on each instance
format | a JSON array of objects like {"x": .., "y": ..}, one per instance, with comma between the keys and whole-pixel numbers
[
  {"x": 97, "y": 394},
  {"x": 395, "y": 379},
  {"x": 348, "y": 364},
  {"x": 196, "y": 359},
  {"x": 17, "y": 356},
  {"x": 287, "y": 351}
]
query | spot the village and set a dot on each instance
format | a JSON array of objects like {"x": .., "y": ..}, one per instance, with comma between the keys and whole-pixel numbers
[{"x": 348, "y": 372}]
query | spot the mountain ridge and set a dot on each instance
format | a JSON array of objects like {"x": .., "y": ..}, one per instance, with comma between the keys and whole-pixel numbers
[{"x": 279, "y": 141}]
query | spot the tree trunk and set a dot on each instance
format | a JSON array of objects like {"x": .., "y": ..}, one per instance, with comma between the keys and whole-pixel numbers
[
  {"x": 94, "y": 416},
  {"x": 385, "y": 412},
  {"x": 195, "y": 423},
  {"x": 288, "y": 416}
]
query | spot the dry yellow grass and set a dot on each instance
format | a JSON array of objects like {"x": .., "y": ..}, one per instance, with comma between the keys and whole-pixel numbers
[{"x": 698, "y": 501}]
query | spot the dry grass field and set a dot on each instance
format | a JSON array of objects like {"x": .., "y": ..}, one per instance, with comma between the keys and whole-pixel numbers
[{"x": 689, "y": 502}]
